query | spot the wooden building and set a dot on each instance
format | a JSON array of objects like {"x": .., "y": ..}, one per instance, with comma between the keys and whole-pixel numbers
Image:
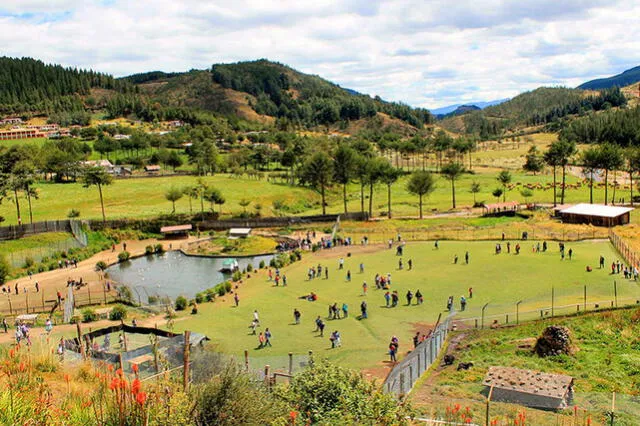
[
  {"x": 177, "y": 231},
  {"x": 596, "y": 214}
]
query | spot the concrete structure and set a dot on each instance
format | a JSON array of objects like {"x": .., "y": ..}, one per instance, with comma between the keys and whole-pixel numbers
[
  {"x": 11, "y": 120},
  {"x": 529, "y": 388},
  {"x": 239, "y": 232},
  {"x": 15, "y": 134},
  {"x": 596, "y": 214}
]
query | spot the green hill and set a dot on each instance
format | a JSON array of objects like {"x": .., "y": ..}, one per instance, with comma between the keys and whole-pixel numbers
[
  {"x": 626, "y": 78},
  {"x": 543, "y": 106}
]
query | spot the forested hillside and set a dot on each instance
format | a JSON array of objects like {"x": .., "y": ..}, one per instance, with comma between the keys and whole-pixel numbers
[
  {"x": 621, "y": 127},
  {"x": 31, "y": 86},
  {"x": 626, "y": 78},
  {"x": 543, "y": 106},
  {"x": 306, "y": 99}
]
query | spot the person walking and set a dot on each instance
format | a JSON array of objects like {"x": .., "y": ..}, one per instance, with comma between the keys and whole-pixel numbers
[
  {"x": 296, "y": 316},
  {"x": 455, "y": 259},
  {"x": 410, "y": 263},
  {"x": 321, "y": 326},
  {"x": 345, "y": 310},
  {"x": 256, "y": 317},
  {"x": 466, "y": 258},
  {"x": 364, "y": 288},
  {"x": 387, "y": 298},
  {"x": 419, "y": 298},
  {"x": 470, "y": 292},
  {"x": 349, "y": 275},
  {"x": 261, "y": 340},
  {"x": 570, "y": 252},
  {"x": 267, "y": 337},
  {"x": 409, "y": 297},
  {"x": 416, "y": 339},
  {"x": 236, "y": 299},
  {"x": 463, "y": 303}
]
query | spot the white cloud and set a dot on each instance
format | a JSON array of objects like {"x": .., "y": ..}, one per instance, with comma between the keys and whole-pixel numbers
[{"x": 422, "y": 53}]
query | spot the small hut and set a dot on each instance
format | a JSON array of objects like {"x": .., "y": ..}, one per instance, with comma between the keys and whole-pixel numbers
[
  {"x": 239, "y": 232},
  {"x": 177, "y": 231},
  {"x": 596, "y": 214},
  {"x": 530, "y": 388}
]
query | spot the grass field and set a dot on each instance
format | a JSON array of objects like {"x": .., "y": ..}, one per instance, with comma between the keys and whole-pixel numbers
[
  {"x": 33, "y": 242},
  {"x": 605, "y": 361},
  {"x": 145, "y": 197},
  {"x": 499, "y": 280}
]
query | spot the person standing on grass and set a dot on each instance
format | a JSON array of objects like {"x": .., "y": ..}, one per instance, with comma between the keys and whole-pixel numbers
[
  {"x": 321, "y": 326},
  {"x": 362, "y": 268},
  {"x": 296, "y": 316},
  {"x": 260, "y": 341},
  {"x": 37, "y": 286},
  {"x": 466, "y": 258},
  {"x": 364, "y": 288},
  {"x": 601, "y": 261},
  {"x": 400, "y": 264},
  {"x": 349, "y": 275},
  {"x": 256, "y": 318},
  {"x": 341, "y": 263},
  {"x": 455, "y": 259},
  {"x": 436, "y": 245},
  {"x": 345, "y": 310},
  {"x": 470, "y": 292},
  {"x": 236, "y": 299},
  {"x": 267, "y": 337},
  {"x": 326, "y": 273},
  {"x": 409, "y": 297},
  {"x": 363, "y": 309},
  {"x": 416, "y": 339},
  {"x": 387, "y": 298},
  {"x": 463, "y": 303},
  {"x": 410, "y": 263},
  {"x": 284, "y": 280},
  {"x": 570, "y": 252},
  {"x": 5, "y": 325},
  {"x": 419, "y": 298}
]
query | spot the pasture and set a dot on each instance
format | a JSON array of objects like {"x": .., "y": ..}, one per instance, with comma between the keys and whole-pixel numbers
[{"x": 500, "y": 280}]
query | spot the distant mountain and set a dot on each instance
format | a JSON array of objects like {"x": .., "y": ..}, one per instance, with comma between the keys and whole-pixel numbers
[
  {"x": 628, "y": 77},
  {"x": 481, "y": 105},
  {"x": 462, "y": 109}
]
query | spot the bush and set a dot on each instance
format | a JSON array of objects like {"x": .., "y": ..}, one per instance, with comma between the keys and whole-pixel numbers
[
  {"x": 42, "y": 268},
  {"x": 89, "y": 315},
  {"x": 28, "y": 262},
  {"x": 293, "y": 257},
  {"x": 237, "y": 276},
  {"x": 152, "y": 300},
  {"x": 125, "y": 293},
  {"x": 5, "y": 269},
  {"x": 210, "y": 295},
  {"x": 123, "y": 256},
  {"x": 262, "y": 264},
  {"x": 73, "y": 213},
  {"x": 159, "y": 248},
  {"x": 149, "y": 250},
  {"x": 227, "y": 286},
  {"x": 181, "y": 303},
  {"x": 101, "y": 266},
  {"x": 220, "y": 289},
  {"x": 199, "y": 297},
  {"x": 249, "y": 267},
  {"x": 119, "y": 312}
]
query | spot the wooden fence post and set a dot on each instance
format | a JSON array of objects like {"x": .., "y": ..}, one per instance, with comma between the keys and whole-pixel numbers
[
  {"x": 290, "y": 363},
  {"x": 80, "y": 343},
  {"x": 185, "y": 378}
]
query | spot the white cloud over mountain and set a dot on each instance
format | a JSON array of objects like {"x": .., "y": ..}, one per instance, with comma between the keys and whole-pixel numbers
[{"x": 422, "y": 53}]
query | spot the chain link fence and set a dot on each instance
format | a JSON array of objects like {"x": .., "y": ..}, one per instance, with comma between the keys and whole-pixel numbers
[{"x": 401, "y": 379}]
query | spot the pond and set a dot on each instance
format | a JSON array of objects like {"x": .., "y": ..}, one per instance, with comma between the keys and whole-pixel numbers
[{"x": 173, "y": 274}]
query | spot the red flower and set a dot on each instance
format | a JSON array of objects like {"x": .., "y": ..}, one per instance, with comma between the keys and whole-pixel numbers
[
  {"x": 119, "y": 372},
  {"x": 123, "y": 384},
  {"x": 67, "y": 378},
  {"x": 114, "y": 384},
  {"x": 141, "y": 398},
  {"x": 134, "y": 367},
  {"x": 110, "y": 368},
  {"x": 136, "y": 385},
  {"x": 293, "y": 415}
]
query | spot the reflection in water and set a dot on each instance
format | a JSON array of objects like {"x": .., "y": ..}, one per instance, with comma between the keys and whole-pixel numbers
[{"x": 173, "y": 274}]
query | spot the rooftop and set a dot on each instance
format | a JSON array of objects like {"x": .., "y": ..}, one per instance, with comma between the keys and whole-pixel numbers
[
  {"x": 596, "y": 210},
  {"x": 176, "y": 228},
  {"x": 528, "y": 381}
]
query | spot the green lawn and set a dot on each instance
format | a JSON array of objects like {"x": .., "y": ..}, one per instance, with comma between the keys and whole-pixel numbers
[
  {"x": 145, "y": 197},
  {"x": 500, "y": 280}
]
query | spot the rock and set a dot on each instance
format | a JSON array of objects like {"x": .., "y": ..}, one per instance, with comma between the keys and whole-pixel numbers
[
  {"x": 449, "y": 359},
  {"x": 555, "y": 340}
]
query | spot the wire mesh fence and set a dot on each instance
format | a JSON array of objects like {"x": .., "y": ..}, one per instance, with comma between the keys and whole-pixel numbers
[{"x": 403, "y": 376}]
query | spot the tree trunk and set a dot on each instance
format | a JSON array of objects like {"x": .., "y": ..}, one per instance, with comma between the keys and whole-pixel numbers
[
  {"x": 420, "y": 202},
  {"x": 30, "y": 210},
  {"x": 371, "y": 200},
  {"x": 453, "y": 192},
  {"x": 606, "y": 185},
  {"x": 15, "y": 192},
  {"x": 591, "y": 188},
  {"x": 631, "y": 186},
  {"x": 555, "y": 203},
  {"x": 613, "y": 197},
  {"x": 344, "y": 196},
  {"x": 190, "y": 206},
  {"x": 201, "y": 208},
  {"x": 389, "y": 200},
  {"x": 563, "y": 184},
  {"x": 470, "y": 166},
  {"x": 174, "y": 207},
  {"x": 323, "y": 204},
  {"x": 104, "y": 217},
  {"x": 504, "y": 193},
  {"x": 362, "y": 198}
]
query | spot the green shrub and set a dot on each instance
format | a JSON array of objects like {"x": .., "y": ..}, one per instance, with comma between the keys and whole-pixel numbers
[
  {"x": 119, "y": 312},
  {"x": 63, "y": 254},
  {"x": 152, "y": 300},
  {"x": 5, "y": 269},
  {"x": 123, "y": 256},
  {"x": 74, "y": 319},
  {"x": 125, "y": 293},
  {"x": 250, "y": 268},
  {"x": 159, "y": 248},
  {"x": 42, "y": 268},
  {"x": 148, "y": 250},
  {"x": 237, "y": 276},
  {"x": 29, "y": 262},
  {"x": 293, "y": 257},
  {"x": 45, "y": 259},
  {"x": 101, "y": 266},
  {"x": 89, "y": 315},
  {"x": 262, "y": 264},
  {"x": 210, "y": 295},
  {"x": 227, "y": 286},
  {"x": 220, "y": 289},
  {"x": 199, "y": 297},
  {"x": 181, "y": 303}
]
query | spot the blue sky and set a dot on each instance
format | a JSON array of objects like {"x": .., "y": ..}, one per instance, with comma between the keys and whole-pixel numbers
[{"x": 424, "y": 53}]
